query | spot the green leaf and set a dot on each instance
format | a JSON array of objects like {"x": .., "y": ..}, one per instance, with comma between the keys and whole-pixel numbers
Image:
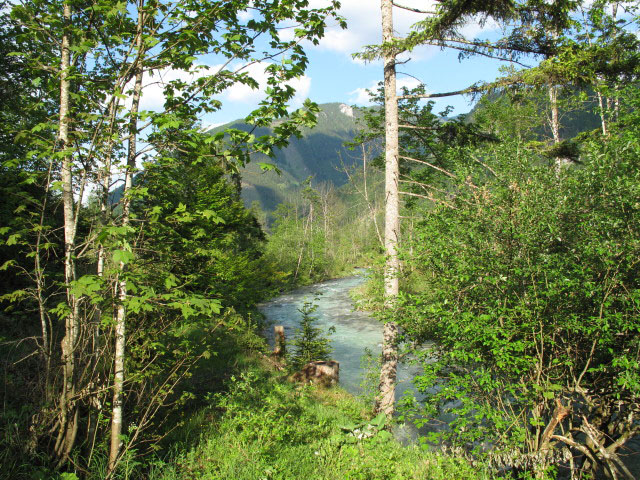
[
  {"x": 122, "y": 256},
  {"x": 13, "y": 239},
  {"x": 7, "y": 264},
  {"x": 213, "y": 216},
  {"x": 379, "y": 421},
  {"x": 170, "y": 282}
]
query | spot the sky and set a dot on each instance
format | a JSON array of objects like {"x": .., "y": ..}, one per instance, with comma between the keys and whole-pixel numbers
[{"x": 333, "y": 75}]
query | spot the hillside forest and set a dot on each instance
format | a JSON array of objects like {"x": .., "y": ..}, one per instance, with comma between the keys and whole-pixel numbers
[{"x": 502, "y": 245}]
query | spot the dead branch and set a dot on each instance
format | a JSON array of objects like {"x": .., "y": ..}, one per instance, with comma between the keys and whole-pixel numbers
[{"x": 411, "y": 9}]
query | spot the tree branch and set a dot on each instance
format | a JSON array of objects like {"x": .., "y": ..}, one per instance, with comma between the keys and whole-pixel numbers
[
  {"x": 448, "y": 174},
  {"x": 428, "y": 197},
  {"x": 472, "y": 89},
  {"x": 415, "y": 10}
]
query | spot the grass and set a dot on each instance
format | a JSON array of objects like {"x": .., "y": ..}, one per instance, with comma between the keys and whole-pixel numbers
[{"x": 266, "y": 428}]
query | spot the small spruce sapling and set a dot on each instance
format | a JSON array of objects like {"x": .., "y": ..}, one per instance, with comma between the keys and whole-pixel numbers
[{"x": 309, "y": 342}]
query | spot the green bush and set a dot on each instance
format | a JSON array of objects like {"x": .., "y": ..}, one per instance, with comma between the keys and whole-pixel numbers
[
  {"x": 532, "y": 297},
  {"x": 267, "y": 428}
]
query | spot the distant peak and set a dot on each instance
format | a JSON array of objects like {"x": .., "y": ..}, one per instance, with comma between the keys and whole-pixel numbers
[{"x": 347, "y": 110}]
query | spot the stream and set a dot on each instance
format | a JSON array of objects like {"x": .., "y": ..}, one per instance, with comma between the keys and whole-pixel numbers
[{"x": 355, "y": 330}]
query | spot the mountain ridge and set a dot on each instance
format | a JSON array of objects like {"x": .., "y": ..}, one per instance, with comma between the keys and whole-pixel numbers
[{"x": 319, "y": 153}]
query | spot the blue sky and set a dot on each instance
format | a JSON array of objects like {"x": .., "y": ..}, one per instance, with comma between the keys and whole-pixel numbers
[{"x": 334, "y": 76}]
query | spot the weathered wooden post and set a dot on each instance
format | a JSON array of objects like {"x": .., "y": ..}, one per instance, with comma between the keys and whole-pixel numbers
[{"x": 280, "y": 344}]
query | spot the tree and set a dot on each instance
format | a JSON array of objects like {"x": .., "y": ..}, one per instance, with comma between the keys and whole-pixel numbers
[
  {"x": 528, "y": 295},
  {"x": 102, "y": 57},
  {"x": 496, "y": 196},
  {"x": 309, "y": 343},
  {"x": 447, "y": 17},
  {"x": 386, "y": 398}
]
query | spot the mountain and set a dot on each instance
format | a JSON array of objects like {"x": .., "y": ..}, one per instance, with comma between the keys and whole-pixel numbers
[{"x": 320, "y": 153}]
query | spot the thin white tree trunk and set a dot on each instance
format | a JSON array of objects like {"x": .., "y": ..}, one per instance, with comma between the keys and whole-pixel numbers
[
  {"x": 105, "y": 182},
  {"x": 386, "y": 396},
  {"x": 68, "y": 410},
  {"x": 555, "y": 117},
  {"x": 45, "y": 321},
  {"x": 598, "y": 82},
  {"x": 371, "y": 206},
  {"x": 117, "y": 418},
  {"x": 603, "y": 118}
]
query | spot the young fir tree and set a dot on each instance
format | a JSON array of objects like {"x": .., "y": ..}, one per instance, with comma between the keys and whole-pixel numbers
[{"x": 309, "y": 343}]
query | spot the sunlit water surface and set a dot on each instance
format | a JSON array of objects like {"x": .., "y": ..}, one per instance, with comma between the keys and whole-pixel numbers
[{"x": 355, "y": 330}]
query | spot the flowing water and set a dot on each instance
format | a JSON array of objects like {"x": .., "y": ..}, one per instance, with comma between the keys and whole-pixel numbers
[{"x": 355, "y": 330}]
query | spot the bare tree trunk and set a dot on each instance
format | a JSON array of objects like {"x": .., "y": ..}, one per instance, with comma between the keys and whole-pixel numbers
[
  {"x": 597, "y": 83},
  {"x": 303, "y": 239},
  {"x": 603, "y": 118},
  {"x": 555, "y": 118},
  {"x": 371, "y": 206},
  {"x": 386, "y": 397},
  {"x": 68, "y": 411},
  {"x": 311, "y": 251},
  {"x": 120, "y": 333},
  {"x": 45, "y": 319},
  {"x": 104, "y": 181}
]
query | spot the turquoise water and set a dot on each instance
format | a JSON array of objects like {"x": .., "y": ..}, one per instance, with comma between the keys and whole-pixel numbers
[{"x": 355, "y": 330}]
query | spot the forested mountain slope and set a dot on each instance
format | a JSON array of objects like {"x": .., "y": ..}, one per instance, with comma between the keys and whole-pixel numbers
[
  {"x": 576, "y": 116},
  {"x": 319, "y": 153}
]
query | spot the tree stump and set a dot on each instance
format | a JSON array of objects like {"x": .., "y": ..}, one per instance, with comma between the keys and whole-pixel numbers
[{"x": 325, "y": 373}]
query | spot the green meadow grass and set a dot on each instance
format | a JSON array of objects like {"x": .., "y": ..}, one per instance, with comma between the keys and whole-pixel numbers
[{"x": 265, "y": 427}]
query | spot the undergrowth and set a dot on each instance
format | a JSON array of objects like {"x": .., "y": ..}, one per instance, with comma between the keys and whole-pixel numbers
[{"x": 264, "y": 427}]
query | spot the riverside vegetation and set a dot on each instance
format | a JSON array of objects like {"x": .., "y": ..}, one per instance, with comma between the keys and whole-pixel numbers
[{"x": 129, "y": 337}]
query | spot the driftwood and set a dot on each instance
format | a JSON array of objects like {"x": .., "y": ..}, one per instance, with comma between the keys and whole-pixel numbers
[{"x": 321, "y": 373}]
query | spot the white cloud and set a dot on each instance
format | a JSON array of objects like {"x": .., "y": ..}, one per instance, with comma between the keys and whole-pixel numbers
[
  {"x": 474, "y": 28},
  {"x": 407, "y": 82},
  {"x": 364, "y": 25},
  {"x": 245, "y": 15},
  {"x": 245, "y": 94},
  {"x": 153, "y": 85},
  {"x": 360, "y": 96}
]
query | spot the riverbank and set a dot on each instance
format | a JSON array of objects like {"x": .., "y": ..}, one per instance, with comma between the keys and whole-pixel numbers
[{"x": 265, "y": 427}]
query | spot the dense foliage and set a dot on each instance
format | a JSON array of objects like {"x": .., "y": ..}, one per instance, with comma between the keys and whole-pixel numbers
[
  {"x": 267, "y": 428},
  {"x": 112, "y": 302},
  {"x": 530, "y": 293},
  {"x": 324, "y": 232},
  {"x": 131, "y": 267}
]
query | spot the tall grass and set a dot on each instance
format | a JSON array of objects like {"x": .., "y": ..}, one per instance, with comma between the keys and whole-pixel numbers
[{"x": 267, "y": 428}]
